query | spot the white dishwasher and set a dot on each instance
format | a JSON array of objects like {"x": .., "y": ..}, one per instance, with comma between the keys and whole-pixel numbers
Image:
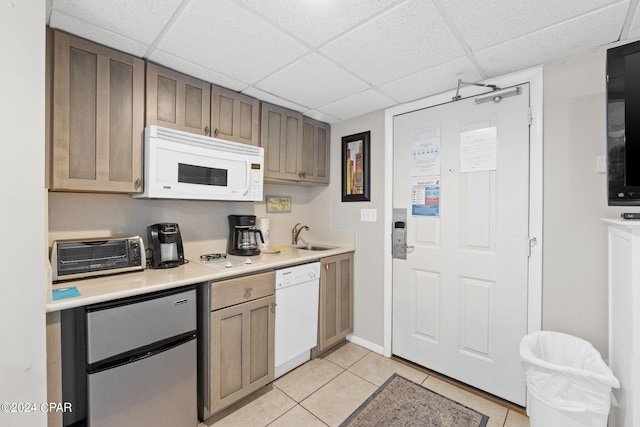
[{"x": 297, "y": 294}]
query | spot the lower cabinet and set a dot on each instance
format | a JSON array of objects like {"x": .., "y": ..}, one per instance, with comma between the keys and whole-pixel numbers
[
  {"x": 242, "y": 339},
  {"x": 336, "y": 300}
]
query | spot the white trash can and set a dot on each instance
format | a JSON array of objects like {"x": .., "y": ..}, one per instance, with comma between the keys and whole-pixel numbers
[{"x": 568, "y": 383}]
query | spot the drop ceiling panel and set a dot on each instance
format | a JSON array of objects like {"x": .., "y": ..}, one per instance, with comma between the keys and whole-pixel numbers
[
  {"x": 491, "y": 22},
  {"x": 431, "y": 81},
  {"x": 228, "y": 39},
  {"x": 97, "y": 34},
  {"x": 357, "y": 105},
  {"x": 403, "y": 41},
  {"x": 140, "y": 20},
  {"x": 273, "y": 99},
  {"x": 634, "y": 30},
  {"x": 556, "y": 42},
  {"x": 317, "y": 21},
  {"x": 312, "y": 81}
]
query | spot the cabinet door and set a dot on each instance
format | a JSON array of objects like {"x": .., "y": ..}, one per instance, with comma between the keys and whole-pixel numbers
[
  {"x": 177, "y": 101},
  {"x": 314, "y": 158},
  {"x": 281, "y": 138},
  {"x": 234, "y": 116},
  {"x": 242, "y": 350},
  {"x": 98, "y": 117},
  {"x": 336, "y": 300}
]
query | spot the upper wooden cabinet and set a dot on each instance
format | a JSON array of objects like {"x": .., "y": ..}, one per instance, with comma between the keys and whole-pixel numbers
[
  {"x": 314, "y": 159},
  {"x": 234, "y": 116},
  {"x": 177, "y": 101},
  {"x": 98, "y": 117},
  {"x": 296, "y": 147},
  {"x": 281, "y": 139}
]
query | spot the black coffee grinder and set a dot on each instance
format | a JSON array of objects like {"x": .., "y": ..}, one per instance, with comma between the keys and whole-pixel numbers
[
  {"x": 166, "y": 242},
  {"x": 243, "y": 235}
]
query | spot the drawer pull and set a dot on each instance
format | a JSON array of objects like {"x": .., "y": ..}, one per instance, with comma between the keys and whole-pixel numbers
[
  {"x": 247, "y": 292},
  {"x": 181, "y": 301}
]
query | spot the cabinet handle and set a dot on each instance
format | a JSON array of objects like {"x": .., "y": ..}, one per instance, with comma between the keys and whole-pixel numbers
[
  {"x": 273, "y": 307},
  {"x": 137, "y": 184},
  {"x": 215, "y": 132},
  {"x": 247, "y": 293},
  {"x": 206, "y": 130}
]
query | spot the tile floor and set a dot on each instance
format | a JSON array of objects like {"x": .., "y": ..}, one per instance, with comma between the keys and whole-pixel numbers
[{"x": 326, "y": 390}]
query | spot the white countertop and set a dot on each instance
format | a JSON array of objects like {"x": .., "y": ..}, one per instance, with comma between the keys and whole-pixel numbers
[{"x": 123, "y": 285}]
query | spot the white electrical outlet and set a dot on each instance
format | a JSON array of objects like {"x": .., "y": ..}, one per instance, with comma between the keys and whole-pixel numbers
[{"x": 368, "y": 215}]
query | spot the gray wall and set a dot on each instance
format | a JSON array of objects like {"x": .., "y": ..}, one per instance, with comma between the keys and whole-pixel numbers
[
  {"x": 575, "y": 253},
  {"x": 368, "y": 263},
  {"x": 22, "y": 215}
]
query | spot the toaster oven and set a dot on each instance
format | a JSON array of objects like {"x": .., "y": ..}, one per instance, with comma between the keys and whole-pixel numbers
[{"x": 77, "y": 259}]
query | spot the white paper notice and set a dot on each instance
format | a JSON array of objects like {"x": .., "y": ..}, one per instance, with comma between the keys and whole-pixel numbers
[
  {"x": 479, "y": 150},
  {"x": 425, "y": 196},
  {"x": 426, "y": 157}
]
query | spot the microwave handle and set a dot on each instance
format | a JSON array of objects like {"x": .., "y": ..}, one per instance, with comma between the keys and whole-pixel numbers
[{"x": 245, "y": 190}]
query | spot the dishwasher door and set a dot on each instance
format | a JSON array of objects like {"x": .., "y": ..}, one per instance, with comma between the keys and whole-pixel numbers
[
  {"x": 297, "y": 298},
  {"x": 158, "y": 390}
]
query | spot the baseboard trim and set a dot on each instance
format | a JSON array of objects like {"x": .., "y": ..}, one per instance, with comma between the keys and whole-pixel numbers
[{"x": 366, "y": 344}]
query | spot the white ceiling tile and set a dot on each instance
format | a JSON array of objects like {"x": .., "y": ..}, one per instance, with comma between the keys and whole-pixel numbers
[
  {"x": 140, "y": 20},
  {"x": 320, "y": 116},
  {"x": 317, "y": 21},
  {"x": 556, "y": 42},
  {"x": 490, "y": 22},
  {"x": 97, "y": 34},
  {"x": 403, "y": 41},
  {"x": 312, "y": 81},
  {"x": 228, "y": 39},
  {"x": 195, "y": 70},
  {"x": 362, "y": 103},
  {"x": 432, "y": 81},
  {"x": 273, "y": 99},
  {"x": 634, "y": 30}
]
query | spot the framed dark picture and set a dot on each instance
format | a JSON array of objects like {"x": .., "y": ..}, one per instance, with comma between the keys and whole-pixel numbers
[{"x": 355, "y": 167}]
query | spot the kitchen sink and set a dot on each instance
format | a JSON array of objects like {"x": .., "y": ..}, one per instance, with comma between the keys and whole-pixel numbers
[{"x": 311, "y": 247}]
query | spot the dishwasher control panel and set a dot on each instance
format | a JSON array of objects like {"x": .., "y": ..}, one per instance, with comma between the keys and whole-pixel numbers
[{"x": 298, "y": 274}]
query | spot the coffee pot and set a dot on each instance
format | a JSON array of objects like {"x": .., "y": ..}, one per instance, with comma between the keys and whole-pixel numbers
[{"x": 243, "y": 236}]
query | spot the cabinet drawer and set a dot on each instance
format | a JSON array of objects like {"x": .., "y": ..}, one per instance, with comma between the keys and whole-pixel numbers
[{"x": 242, "y": 289}]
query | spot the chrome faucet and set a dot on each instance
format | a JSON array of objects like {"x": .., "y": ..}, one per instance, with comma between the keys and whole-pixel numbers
[{"x": 296, "y": 232}]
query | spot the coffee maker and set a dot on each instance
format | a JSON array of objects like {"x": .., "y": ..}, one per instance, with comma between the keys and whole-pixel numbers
[
  {"x": 166, "y": 242},
  {"x": 243, "y": 234}
]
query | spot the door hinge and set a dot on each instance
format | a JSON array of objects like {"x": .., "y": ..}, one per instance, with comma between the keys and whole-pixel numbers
[
  {"x": 532, "y": 242},
  {"x": 530, "y": 116}
]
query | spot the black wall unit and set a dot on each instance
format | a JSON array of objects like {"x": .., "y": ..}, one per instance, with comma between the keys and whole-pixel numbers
[{"x": 623, "y": 125}]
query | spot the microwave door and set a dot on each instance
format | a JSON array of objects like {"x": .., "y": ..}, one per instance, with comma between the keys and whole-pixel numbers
[{"x": 200, "y": 175}]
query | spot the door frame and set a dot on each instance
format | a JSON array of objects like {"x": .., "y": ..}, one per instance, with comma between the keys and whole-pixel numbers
[{"x": 533, "y": 76}]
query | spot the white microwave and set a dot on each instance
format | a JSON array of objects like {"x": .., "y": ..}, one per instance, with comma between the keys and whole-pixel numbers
[{"x": 181, "y": 165}]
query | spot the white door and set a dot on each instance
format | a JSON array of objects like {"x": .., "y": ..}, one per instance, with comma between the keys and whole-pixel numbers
[{"x": 460, "y": 297}]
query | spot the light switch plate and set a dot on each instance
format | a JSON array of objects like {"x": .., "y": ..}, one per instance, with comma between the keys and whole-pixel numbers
[{"x": 368, "y": 215}]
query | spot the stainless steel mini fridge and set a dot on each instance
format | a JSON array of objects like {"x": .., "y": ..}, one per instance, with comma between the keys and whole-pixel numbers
[{"x": 140, "y": 362}]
